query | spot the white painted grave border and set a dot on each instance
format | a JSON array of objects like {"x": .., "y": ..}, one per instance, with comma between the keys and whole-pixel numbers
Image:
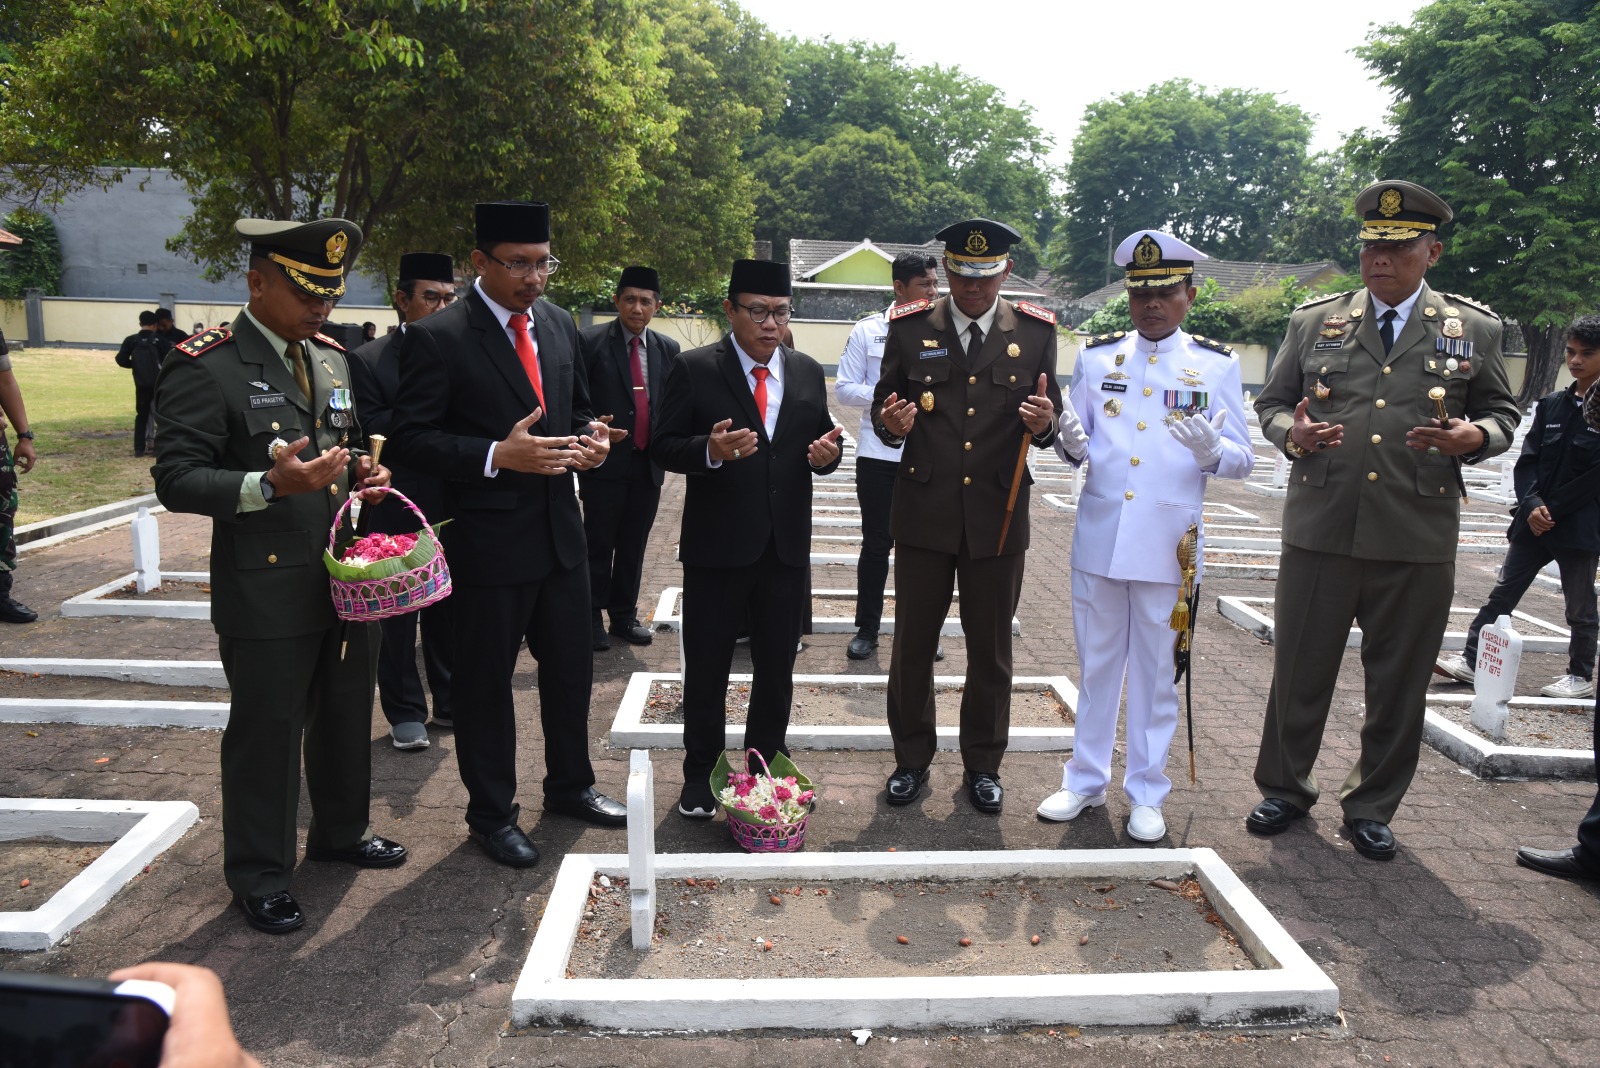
[
  {"x": 668, "y": 615},
  {"x": 1243, "y": 611},
  {"x": 1487, "y": 760},
  {"x": 95, "y": 602}
]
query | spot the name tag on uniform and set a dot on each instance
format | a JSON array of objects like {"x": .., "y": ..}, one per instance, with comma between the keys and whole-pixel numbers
[
  {"x": 880, "y": 339},
  {"x": 1329, "y": 344},
  {"x": 929, "y": 354},
  {"x": 1114, "y": 387},
  {"x": 268, "y": 400}
]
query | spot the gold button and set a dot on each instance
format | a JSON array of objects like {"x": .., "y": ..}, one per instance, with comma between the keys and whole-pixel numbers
[
  {"x": 967, "y": 481},
  {"x": 972, "y": 380},
  {"x": 1148, "y": 391},
  {"x": 275, "y": 426},
  {"x": 1377, "y": 439},
  {"x": 333, "y": 490},
  {"x": 968, "y": 446},
  {"x": 1324, "y": 369},
  {"x": 1447, "y": 374},
  {"x": 1305, "y": 478},
  {"x": 1013, "y": 378},
  {"x": 1152, "y": 359},
  {"x": 913, "y": 471},
  {"x": 1372, "y": 476},
  {"x": 1441, "y": 489},
  {"x": 927, "y": 378},
  {"x": 972, "y": 411},
  {"x": 1387, "y": 370},
  {"x": 1134, "y": 461},
  {"x": 1141, "y": 424},
  {"x": 272, "y": 558},
  {"x": 319, "y": 424},
  {"x": 1381, "y": 403},
  {"x": 1129, "y": 495}
]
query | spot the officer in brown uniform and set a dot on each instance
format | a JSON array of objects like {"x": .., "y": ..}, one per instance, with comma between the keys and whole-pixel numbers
[
  {"x": 968, "y": 381},
  {"x": 1378, "y": 395}
]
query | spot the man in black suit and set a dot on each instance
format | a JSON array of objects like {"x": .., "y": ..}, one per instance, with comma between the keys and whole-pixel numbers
[
  {"x": 747, "y": 420},
  {"x": 427, "y": 283},
  {"x": 494, "y": 400},
  {"x": 627, "y": 364}
]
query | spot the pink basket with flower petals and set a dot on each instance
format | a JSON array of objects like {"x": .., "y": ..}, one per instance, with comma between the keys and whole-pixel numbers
[
  {"x": 752, "y": 834},
  {"x": 390, "y": 587}
]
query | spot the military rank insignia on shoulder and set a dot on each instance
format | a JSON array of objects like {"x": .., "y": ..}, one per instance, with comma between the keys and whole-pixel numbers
[
  {"x": 1036, "y": 312},
  {"x": 900, "y": 311},
  {"x": 1104, "y": 339},
  {"x": 1314, "y": 301},
  {"x": 328, "y": 341},
  {"x": 1213, "y": 344},
  {"x": 206, "y": 339},
  {"x": 1469, "y": 302}
]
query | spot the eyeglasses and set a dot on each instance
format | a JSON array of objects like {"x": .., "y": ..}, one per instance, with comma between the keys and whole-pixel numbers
[
  {"x": 759, "y": 314},
  {"x": 522, "y": 268},
  {"x": 431, "y": 297}
]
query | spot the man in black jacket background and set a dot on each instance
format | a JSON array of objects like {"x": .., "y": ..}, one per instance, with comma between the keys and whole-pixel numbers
[{"x": 142, "y": 354}]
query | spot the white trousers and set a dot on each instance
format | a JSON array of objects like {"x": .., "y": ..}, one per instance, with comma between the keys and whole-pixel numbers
[{"x": 1123, "y": 629}]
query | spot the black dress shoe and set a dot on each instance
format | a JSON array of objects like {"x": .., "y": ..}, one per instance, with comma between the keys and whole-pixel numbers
[
  {"x": 14, "y": 611},
  {"x": 1562, "y": 863},
  {"x": 984, "y": 789},
  {"x": 375, "y": 852},
  {"x": 591, "y": 806},
  {"x": 508, "y": 846},
  {"x": 633, "y": 632},
  {"x": 905, "y": 785},
  {"x": 1372, "y": 839},
  {"x": 1272, "y": 816},
  {"x": 597, "y": 631},
  {"x": 275, "y": 913},
  {"x": 861, "y": 646},
  {"x": 938, "y": 652}
]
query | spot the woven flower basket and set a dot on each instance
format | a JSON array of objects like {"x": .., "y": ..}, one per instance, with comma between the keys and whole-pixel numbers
[
  {"x": 749, "y": 830},
  {"x": 365, "y": 593}
]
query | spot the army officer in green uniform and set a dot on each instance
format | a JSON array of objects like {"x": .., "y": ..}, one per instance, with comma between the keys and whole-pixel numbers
[
  {"x": 1378, "y": 395},
  {"x": 255, "y": 429}
]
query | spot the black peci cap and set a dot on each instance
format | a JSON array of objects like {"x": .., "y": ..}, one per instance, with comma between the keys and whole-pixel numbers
[
  {"x": 639, "y": 278},
  {"x": 766, "y": 278},
  {"x": 517, "y": 222},
  {"x": 427, "y": 267}
]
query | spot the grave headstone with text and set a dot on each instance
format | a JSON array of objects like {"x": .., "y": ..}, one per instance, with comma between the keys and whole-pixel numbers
[
  {"x": 1280, "y": 472},
  {"x": 642, "y": 846},
  {"x": 1495, "y": 678},
  {"x": 146, "y": 551}
]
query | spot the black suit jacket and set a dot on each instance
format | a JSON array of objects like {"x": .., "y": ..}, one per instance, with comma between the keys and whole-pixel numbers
[
  {"x": 732, "y": 511},
  {"x": 1560, "y": 469},
  {"x": 462, "y": 388},
  {"x": 605, "y": 355}
]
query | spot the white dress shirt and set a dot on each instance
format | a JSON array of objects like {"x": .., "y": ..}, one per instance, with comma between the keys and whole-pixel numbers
[
  {"x": 860, "y": 366},
  {"x": 504, "y": 314},
  {"x": 1402, "y": 311},
  {"x": 774, "y": 389}
]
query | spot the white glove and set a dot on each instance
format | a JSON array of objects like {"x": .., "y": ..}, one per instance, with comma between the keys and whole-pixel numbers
[
  {"x": 1072, "y": 444},
  {"x": 1202, "y": 438}
]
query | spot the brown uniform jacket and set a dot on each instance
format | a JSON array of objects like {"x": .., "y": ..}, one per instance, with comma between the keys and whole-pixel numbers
[
  {"x": 1372, "y": 497},
  {"x": 961, "y": 454}
]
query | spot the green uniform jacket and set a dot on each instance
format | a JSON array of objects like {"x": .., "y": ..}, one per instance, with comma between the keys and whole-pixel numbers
[
  {"x": 961, "y": 454},
  {"x": 1372, "y": 497},
  {"x": 214, "y": 424}
]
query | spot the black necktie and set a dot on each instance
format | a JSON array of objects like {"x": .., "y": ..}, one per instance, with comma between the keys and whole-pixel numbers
[
  {"x": 1386, "y": 331},
  {"x": 974, "y": 342}
]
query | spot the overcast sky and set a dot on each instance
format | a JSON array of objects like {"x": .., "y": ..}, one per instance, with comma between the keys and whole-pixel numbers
[{"x": 1059, "y": 58}]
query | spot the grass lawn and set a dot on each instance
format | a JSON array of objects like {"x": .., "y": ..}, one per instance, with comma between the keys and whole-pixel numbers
[{"x": 80, "y": 404}]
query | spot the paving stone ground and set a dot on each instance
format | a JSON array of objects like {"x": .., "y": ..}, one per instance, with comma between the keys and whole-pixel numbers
[{"x": 1449, "y": 955}]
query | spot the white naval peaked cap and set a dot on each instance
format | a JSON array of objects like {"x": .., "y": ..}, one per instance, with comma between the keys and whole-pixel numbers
[{"x": 1154, "y": 259}]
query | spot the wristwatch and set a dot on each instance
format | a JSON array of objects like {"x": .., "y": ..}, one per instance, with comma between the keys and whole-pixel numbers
[
  {"x": 269, "y": 493},
  {"x": 25, "y": 434},
  {"x": 1293, "y": 447}
]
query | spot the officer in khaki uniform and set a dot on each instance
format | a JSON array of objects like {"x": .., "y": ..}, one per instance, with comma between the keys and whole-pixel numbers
[
  {"x": 967, "y": 381},
  {"x": 254, "y": 428},
  {"x": 1374, "y": 505}
]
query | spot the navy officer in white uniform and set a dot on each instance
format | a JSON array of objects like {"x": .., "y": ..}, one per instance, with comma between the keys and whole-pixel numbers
[{"x": 1163, "y": 411}]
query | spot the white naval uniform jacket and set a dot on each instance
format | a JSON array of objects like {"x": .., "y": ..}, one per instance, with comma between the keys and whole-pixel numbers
[{"x": 1143, "y": 488}]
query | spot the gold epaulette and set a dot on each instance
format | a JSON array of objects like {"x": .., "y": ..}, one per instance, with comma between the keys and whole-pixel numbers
[
  {"x": 1104, "y": 339},
  {"x": 1314, "y": 301},
  {"x": 1212, "y": 344},
  {"x": 326, "y": 340},
  {"x": 1469, "y": 302},
  {"x": 206, "y": 339},
  {"x": 900, "y": 311},
  {"x": 1037, "y": 312}
]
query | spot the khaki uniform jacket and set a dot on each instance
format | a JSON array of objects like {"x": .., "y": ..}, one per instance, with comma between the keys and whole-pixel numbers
[
  {"x": 961, "y": 456},
  {"x": 214, "y": 424},
  {"x": 1373, "y": 497}
]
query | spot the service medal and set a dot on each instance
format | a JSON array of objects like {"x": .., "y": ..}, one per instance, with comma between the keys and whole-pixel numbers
[
  {"x": 273, "y": 448},
  {"x": 1112, "y": 407},
  {"x": 1452, "y": 364},
  {"x": 1335, "y": 321},
  {"x": 1452, "y": 327},
  {"x": 1329, "y": 331},
  {"x": 1117, "y": 376},
  {"x": 1452, "y": 311},
  {"x": 1429, "y": 312},
  {"x": 1013, "y": 349},
  {"x": 929, "y": 343},
  {"x": 1191, "y": 381},
  {"x": 1322, "y": 390},
  {"x": 1120, "y": 358},
  {"x": 926, "y": 401}
]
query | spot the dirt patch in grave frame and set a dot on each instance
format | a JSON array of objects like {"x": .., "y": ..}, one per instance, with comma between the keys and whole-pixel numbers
[
  {"x": 169, "y": 590},
  {"x": 848, "y": 705},
  {"x": 1538, "y": 727},
  {"x": 33, "y": 870},
  {"x": 19, "y": 684},
  {"x": 885, "y": 928}
]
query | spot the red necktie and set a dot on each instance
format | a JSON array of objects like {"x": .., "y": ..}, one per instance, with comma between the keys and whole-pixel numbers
[
  {"x": 641, "y": 403},
  {"x": 761, "y": 374},
  {"x": 528, "y": 355}
]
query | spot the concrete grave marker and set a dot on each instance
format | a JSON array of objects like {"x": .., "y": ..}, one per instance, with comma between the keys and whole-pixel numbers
[
  {"x": 146, "y": 551},
  {"x": 1499, "y": 657},
  {"x": 1280, "y": 471},
  {"x": 642, "y": 846}
]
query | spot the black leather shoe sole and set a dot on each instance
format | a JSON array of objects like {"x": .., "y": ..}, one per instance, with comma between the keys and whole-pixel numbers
[
  {"x": 1371, "y": 839},
  {"x": 906, "y": 785},
  {"x": 375, "y": 852},
  {"x": 1272, "y": 816},
  {"x": 590, "y": 812},
  {"x": 508, "y": 846},
  {"x": 272, "y": 913}
]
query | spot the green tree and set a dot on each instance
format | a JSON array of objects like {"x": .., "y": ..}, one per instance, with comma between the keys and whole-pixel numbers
[
  {"x": 1209, "y": 315},
  {"x": 1261, "y": 313},
  {"x": 855, "y": 184},
  {"x": 1495, "y": 105},
  {"x": 37, "y": 263},
  {"x": 1319, "y": 221},
  {"x": 1214, "y": 168}
]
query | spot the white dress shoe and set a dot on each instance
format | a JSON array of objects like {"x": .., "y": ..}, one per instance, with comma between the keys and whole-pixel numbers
[
  {"x": 1066, "y": 805},
  {"x": 1146, "y": 825}
]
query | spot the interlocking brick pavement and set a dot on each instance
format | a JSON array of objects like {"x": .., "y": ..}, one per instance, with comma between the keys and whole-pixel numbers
[{"x": 1449, "y": 955}]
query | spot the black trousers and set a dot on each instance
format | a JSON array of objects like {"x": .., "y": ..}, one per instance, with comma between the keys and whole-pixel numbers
[
  {"x": 289, "y": 695},
  {"x": 617, "y": 516},
  {"x": 875, "y": 493},
  {"x": 1588, "y": 848},
  {"x": 1521, "y": 566},
  {"x": 770, "y": 596},
  {"x": 143, "y": 439},
  {"x": 399, "y": 684},
  {"x": 492, "y": 622}
]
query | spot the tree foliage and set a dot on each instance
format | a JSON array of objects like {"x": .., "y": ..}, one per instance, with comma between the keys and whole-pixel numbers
[
  {"x": 1215, "y": 168},
  {"x": 1258, "y": 315},
  {"x": 1495, "y": 110},
  {"x": 37, "y": 263}
]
